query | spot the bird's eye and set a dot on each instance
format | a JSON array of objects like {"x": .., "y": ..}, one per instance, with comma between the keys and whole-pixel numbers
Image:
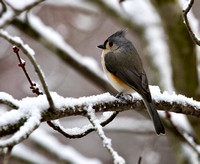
[{"x": 110, "y": 44}]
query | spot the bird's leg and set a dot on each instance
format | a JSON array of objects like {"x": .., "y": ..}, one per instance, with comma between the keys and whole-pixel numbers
[
  {"x": 126, "y": 97},
  {"x": 131, "y": 97},
  {"x": 119, "y": 95}
]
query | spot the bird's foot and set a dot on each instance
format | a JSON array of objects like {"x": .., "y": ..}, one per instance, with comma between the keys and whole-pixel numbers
[
  {"x": 119, "y": 95},
  {"x": 126, "y": 97},
  {"x": 130, "y": 97}
]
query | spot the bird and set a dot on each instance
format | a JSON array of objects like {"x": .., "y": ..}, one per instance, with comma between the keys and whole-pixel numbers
[{"x": 124, "y": 69}]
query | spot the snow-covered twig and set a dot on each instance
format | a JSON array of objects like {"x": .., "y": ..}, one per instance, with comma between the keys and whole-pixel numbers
[
  {"x": 106, "y": 141},
  {"x": 185, "y": 12},
  {"x": 25, "y": 130},
  {"x": 30, "y": 54},
  {"x": 66, "y": 107},
  {"x": 80, "y": 132},
  {"x": 13, "y": 10}
]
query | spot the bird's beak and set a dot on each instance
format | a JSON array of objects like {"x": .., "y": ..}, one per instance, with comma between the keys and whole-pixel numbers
[{"x": 101, "y": 46}]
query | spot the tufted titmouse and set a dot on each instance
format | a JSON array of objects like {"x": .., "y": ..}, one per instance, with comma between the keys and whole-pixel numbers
[{"x": 123, "y": 67}]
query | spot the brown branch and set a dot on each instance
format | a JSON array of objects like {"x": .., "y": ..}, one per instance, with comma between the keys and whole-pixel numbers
[
  {"x": 7, "y": 155},
  {"x": 4, "y": 8},
  {"x": 185, "y": 18},
  {"x": 22, "y": 65},
  {"x": 80, "y": 135},
  {"x": 17, "y": 12},
  {"x": 139, "y": 160},
  {"x": 107, "y": 104}
]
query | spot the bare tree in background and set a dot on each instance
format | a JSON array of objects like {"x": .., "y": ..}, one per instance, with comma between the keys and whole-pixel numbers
[{"x": 33, "y": 30}]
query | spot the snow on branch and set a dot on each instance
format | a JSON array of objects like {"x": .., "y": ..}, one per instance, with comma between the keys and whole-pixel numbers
[
  {"x": 185, "y": 17},
  {"x": 13, "y": 8},
  {"x": 106, "y": 141},
  {"x": 32, "y": 122},
  {"x": 66, "y": 107},
  {"x": 83, "y": 131}
]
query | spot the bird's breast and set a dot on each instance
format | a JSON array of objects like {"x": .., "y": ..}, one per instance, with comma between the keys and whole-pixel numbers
[{"x": 115, "y": 81}]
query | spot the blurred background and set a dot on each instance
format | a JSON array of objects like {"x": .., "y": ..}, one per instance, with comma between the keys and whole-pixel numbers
[{"x": 168, "y": 53}]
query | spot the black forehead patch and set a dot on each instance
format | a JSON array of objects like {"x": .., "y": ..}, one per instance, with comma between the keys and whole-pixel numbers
[{"x": 105, "y": 43}]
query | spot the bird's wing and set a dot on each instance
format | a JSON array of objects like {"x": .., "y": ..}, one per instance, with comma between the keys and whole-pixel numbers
[{"x": 128, "y": 72}]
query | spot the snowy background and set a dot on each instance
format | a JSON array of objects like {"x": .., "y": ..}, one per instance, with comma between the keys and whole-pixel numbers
[{"x": 77, "y": 28}]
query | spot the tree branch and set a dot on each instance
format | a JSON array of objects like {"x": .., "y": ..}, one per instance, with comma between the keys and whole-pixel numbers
[
  {"x": 185, "y": 136},
  {"x": 11, "y": 13},
  {"x": 106, "y": 141},
  {"x": 185, "y": 18},
  {"x": 30, "y": 54},
  {"x": 65, "y": 132},
  {"x": 66, "y": 107}
]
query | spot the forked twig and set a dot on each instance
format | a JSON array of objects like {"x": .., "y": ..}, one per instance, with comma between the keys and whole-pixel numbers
[
  {"x": 86, "y": 132},
  {"x": 105, "y": 140},
  {"x": 185, "y": 12}
]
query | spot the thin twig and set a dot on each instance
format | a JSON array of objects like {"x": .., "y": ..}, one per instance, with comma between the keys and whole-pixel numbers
[
  {"x": 184, "y": 137},
  {"x": 3, "y": 10},
  {"x": 17, "y": 12},
  {"x": 139, "y": 160},
  {"x": 106, "y": 141},
  {"x": 7, "y": 155},
  {"x": 22, "y": 65},
  {"x": 86, "y": 132},
  {"x": 185, "y": 18},
  {"x": 9, "y": 103}
]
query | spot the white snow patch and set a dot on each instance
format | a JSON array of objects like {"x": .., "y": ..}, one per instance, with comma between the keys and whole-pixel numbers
[
  {"x": 17, "y": 40},
  {"x": 80, "y": 4},
  {"x": 189, "y": 152},
  {"x": 23, "y": 152},
  {"x": 181, "y": 99},
  {"x": 20, "y": 5},
  {"x": 7, "y": 97},
  {"x": 7, "y": 16},
  {"x": 106, "y": 141},
  {"x": 64, "y": 152}
]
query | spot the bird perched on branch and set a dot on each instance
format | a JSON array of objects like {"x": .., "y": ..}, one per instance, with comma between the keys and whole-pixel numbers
[{"x": 124, "y": 69}]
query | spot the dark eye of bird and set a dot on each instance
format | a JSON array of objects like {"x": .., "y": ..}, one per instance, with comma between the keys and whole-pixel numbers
[{"x": 110, "y": 44}]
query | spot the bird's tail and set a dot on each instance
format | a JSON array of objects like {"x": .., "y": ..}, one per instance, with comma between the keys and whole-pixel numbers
[{"x": 155, "y": 118}]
